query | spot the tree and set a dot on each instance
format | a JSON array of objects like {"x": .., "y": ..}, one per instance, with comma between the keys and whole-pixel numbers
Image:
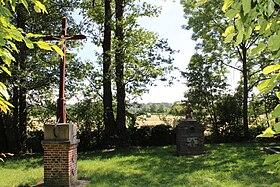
[
  {"x": 207, "y": 20},
  {"x": 206, "y": 80},
  {"x": 120, "y": 63},
  {"x": 138, "y": 56},
  {"x": 109, "y": 119}
]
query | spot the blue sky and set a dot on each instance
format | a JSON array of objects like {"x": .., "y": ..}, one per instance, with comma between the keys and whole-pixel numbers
[{"x": 169, "y": 25}]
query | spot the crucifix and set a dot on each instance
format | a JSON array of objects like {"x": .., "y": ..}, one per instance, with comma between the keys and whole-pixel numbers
[{"x": 61, "y": 105}]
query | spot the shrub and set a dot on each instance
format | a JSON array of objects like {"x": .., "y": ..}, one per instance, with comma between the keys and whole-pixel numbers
[{"x": 33, "y": 143}]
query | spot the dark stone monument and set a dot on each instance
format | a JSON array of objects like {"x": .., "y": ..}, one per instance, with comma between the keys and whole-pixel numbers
[
  {"x": 189, "y": 135},
  {"x": 60, "y": 139}
]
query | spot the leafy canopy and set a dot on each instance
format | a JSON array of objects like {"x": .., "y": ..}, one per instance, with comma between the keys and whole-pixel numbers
[{"x": 9, "y": 35}]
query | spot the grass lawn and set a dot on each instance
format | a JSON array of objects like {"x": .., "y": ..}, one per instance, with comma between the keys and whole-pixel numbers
[{"x": 223, "y": 165}]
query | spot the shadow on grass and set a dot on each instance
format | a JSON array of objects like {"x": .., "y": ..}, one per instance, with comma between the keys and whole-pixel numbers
[{"x": 223, "y": 165}]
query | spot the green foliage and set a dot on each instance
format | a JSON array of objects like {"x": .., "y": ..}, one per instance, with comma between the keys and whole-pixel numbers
[
  {"x": 158, "y": 135},
  {"x": 263, "y": 17},
  {"x": 88, "y": 115},
  {"x": 177, "y": 109},
  {"x": 10, "y": 35},
  {"x": 147, "y": 57},
  {"x": 206, "y": 80}
]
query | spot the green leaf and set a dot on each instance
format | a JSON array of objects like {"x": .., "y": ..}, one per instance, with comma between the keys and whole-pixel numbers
[
  {"x": 229, "y": 30},
  {"x": 58, "y": 50},
  {"x": 34, "y": 35},
  {"x": 271, "y": 68},
  {"x": 273, "y": 42},
  {"x": 44, "y": 45},
  {"x": 267, "y": 85},
  {"x": 4, "y": 93},
  {"x": 248, "y": 33},
  {"x": 229, "y": 38},
  {"x": 13, "y": 5},
  {"x": 239, "y": 39},
  {"x": 246, "y": 6},
  {"x": 8, "y": 55},
  {"x": 16, "y": 34},
  {"x": 278, "y": 95},
  {"x": 270, "y": 159},
  {"x": 13, "y": 46},
  {"x": 5, "y": 69},
  {"x": 277, "y": 2},
  {"x": 276, "y": 111},
  {"x": 239, "y": 25},
  {"x": 277, "y": 55},
  {"x": 1, "y": 159},
  {"x": 271, "y": 9},
  {"x": 231, "y": 13},
  {"x": 227, "y": 4},
  {"x": 268, "y": 133},
  {"x": 5, "y": 12},
  {"x": 28, "y": 43},
  {"x": 39, "y": 7},
  {"x": 277, "y": 128},
  {"x": 261, "y": 46}
]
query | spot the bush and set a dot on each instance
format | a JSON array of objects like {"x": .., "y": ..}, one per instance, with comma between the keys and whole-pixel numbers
[
  {"x": 158, "y": 135},
  {"x": 89, "y": 140},
  {"x": 33, "y": 143}
]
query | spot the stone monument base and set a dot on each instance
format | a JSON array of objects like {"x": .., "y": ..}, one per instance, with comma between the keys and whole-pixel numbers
[
  {"x": 189, "y": 138},
  {"x": 60, "y": 155}
]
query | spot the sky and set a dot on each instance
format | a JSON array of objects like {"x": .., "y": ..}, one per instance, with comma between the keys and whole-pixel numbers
[{"x": 169, "y": 26}]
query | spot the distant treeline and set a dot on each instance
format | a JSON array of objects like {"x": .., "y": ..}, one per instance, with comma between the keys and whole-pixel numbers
[{"x": 176, "y": 108}]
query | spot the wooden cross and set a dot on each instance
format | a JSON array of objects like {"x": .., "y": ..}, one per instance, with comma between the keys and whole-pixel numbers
[{"x": 61, "y": 105}]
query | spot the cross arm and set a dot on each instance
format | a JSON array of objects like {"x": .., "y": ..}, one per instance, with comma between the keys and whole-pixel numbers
[{"x": 75, "y": 37}]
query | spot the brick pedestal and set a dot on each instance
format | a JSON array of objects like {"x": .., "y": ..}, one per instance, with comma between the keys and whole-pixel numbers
[
  {"x": 189, "y": 138},
  {"x": 60, "y": 156}
]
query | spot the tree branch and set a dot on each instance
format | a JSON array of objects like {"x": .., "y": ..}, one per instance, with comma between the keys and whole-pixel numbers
[{"x": 231, "y": 66}]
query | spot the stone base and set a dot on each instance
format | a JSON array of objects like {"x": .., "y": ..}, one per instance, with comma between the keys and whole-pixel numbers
[
  {"x": 189, "y": 138},
  {"x": 60, "y": 155},
  {"x": 60, "y": 163}
]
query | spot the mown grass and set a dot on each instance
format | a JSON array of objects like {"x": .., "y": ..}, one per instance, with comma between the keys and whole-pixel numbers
[{"x": 223, "y": 165}]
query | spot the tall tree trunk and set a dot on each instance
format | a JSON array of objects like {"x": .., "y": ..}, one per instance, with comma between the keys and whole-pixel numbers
[
  {"x": 121, "y": 125},
  {"x": 245, "y": 91},
  {"x": 21, "y": 60},
  {"x": 109, "y": 120}
]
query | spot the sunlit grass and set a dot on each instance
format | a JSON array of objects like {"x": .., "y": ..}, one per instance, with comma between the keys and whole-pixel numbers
[
  {"x": 21, "y": 171},
  {"x": 223, "y": 165},
  {"x": 234, "y": 165}
]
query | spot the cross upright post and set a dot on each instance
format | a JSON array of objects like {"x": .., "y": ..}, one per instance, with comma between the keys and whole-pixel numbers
[{"x": 61, "y": 104}]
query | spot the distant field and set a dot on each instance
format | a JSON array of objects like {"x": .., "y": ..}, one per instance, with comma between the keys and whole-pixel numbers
[
  {"x": 148, "y": 119},
  {"x": 158, "y": 119}
]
